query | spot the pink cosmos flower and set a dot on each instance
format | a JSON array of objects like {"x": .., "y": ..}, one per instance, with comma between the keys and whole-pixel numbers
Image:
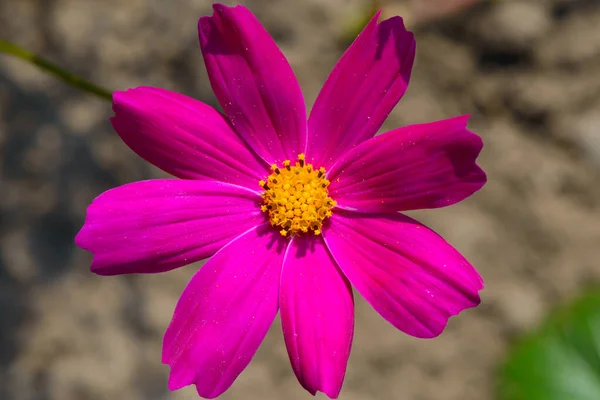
[{"x": 292, "y": 211}]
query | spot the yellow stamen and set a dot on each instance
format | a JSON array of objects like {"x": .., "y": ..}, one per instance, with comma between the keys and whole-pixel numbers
[{"x": 296, "y": 197}]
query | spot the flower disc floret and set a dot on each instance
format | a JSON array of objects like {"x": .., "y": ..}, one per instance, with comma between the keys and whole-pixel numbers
[{"x": 296, "y": 197}]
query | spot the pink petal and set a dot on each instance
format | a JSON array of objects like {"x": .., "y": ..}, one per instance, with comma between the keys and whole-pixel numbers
[
  {"x": 224, "y": 313},
  {"x": 407, "y": 272},
  {"x": 361, "y": 91},
  {"x": 184, "y": 137},
  {"x": 418, "y": 166},
  {"x": 317, "y": 314},
  {"x": 254, "y": 83},
  {"x": 158, "y": 225}
]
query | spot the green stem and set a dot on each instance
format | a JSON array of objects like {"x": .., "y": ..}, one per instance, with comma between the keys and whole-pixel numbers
[{"x": 19, "y": 52}]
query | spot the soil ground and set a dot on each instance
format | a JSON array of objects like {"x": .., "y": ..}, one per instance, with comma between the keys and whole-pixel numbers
[{"x": 528, "y": 72}]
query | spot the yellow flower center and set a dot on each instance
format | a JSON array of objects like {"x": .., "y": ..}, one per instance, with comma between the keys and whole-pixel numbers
[{"x": 296, "y": 197}]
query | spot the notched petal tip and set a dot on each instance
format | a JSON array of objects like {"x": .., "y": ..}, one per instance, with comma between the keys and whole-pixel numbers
[
  {"x": 317, "y": 315},
  {"x": 174, "y": 382},
  {"x": 436, "y": 331},
  {"x": 224, "y": 314},
  {"x": 80, "y": 238},
  {"x": 124, "y": 97},
  {"x": 419, "y": 166},
  {"x": 220, "y": 8},
  {"x": 253, "y": 82},
  {"x": 412, "y": 276},
  {"x": 376, "y": 16},
  {"x": 479, "y": 177},
  {"x": 218, "y": 11},
  {"x": 158, "y": 225},
  {"x": 184, "y": 137}
]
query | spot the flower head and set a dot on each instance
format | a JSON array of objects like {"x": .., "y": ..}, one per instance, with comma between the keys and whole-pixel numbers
[{"x": 292, "y": 211}]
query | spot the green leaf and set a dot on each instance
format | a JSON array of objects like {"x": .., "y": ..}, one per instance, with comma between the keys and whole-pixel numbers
[{"x": 561, "y": 360}]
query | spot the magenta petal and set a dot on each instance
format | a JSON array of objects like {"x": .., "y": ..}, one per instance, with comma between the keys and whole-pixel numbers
[
  {"x": 418, "y": 166},
  {"x": 317, "y": 315},
  {"x": 224, "y": 313},
  {"x": 184, "y": 137},
  {"x": 361, "y": 91},
  {"x": 407, "y": 272},
  {"x": 154, "y": 226},
  {"x": 254, "y": 83}
]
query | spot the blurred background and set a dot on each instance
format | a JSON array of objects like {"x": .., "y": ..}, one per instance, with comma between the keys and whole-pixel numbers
[{"x": 528, "y": 72}]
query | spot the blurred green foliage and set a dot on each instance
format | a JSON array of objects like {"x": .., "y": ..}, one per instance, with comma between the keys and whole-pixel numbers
[
  {"x": 560, "y": 360},
  {"x": 356, "y": 24}
]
